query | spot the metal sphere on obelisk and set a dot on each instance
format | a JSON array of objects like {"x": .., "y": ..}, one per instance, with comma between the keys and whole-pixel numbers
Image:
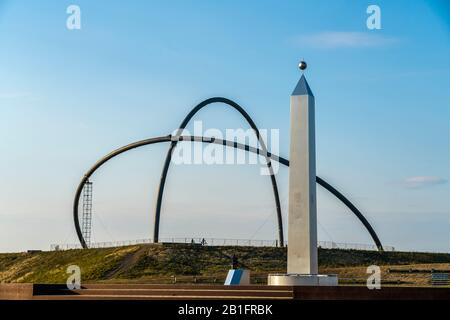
[
  {"x": 302, "y": 265},
  {"x": 302, "y": 65}
]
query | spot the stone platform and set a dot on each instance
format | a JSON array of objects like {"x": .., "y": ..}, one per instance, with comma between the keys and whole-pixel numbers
[{"x": 208, "y": 292}]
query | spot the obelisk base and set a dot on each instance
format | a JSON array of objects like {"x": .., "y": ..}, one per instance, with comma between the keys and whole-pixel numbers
[{"x": 302, "y": 280}]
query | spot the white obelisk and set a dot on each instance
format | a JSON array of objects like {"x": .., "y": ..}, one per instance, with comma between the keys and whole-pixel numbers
[
  {"x": 302, "y": 266},
  {"x": 302, "y": 217}
]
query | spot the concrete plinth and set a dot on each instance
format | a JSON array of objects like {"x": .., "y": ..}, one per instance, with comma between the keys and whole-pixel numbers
[
  {"x": 238, "y": 277},
  {"x": 302, "y": 280}
]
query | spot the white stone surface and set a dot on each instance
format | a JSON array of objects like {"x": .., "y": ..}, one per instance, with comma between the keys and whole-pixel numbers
[{"x": 302, "y": 215}]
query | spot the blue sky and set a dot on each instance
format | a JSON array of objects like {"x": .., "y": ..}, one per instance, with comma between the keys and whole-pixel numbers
[{"x": 67, "y": 97}]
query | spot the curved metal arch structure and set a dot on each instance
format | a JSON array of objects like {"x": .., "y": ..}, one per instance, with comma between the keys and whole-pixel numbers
[
  {"x": 233, "y": 144},
  {"x": 94, "y": 168},
  {"x": 183, "y": 125}
]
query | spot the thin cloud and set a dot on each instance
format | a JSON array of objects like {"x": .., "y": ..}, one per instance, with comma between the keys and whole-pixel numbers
[
  {"x": 343, "y": 39},
  {"x": 423, "y": 182}
]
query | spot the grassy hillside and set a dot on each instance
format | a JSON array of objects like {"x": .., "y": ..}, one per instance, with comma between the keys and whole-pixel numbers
[{"x": 160, "y": 263}]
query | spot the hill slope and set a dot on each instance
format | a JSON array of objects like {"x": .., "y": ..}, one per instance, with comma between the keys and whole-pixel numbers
[{"x": 161, "y": 263}]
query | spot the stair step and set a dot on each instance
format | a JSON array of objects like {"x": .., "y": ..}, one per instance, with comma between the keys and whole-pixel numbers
[
  {"x": 181, "y": 286},
  {"x": 177, "y": 292},
  {"x": 152, "y": 291}
]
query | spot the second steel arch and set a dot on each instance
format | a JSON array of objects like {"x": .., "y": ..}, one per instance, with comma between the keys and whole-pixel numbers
[{"x": 183, "y": 125}]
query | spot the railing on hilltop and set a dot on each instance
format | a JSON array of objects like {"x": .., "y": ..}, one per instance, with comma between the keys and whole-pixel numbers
[
  {"x": 219, "y": 242},
  {"x": 352, "y": 246}
]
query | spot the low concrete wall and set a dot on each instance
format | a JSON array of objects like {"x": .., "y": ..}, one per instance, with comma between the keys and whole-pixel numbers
[
  {"x": 16, "y": 291},
  {"x": 363, "y": 293}
]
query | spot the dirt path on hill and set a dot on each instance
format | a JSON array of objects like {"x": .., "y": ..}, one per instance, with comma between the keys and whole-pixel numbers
[{"x": 129, "y": 261}]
